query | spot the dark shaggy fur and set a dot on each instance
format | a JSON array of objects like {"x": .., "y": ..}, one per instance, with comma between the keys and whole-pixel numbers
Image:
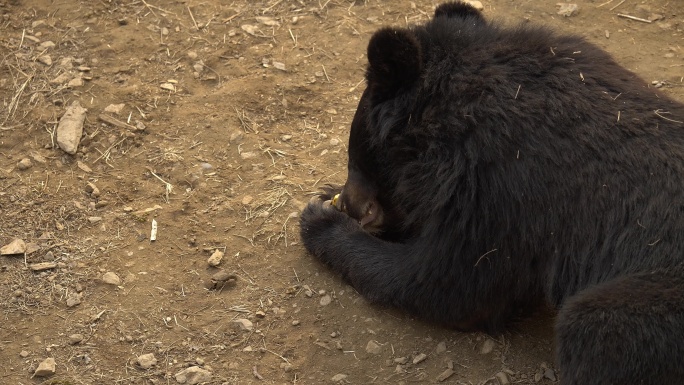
[{"x": 494, "y": 168}]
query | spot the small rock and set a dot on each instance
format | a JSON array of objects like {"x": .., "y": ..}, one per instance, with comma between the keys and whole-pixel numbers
[
  {"x": 247, "y": 199},
  {"x": 111, "y": 278},
  {"x": 248, "y": 155},
  {"x": 215, "y": 258},
  {"x": 198, "y": 66},
  {"x": 372, "y": 347},
  {"x": 193, "y": 375},
  {"x": 286, "y": 138},
  {"x": 15, "y": 247},
  {"x": 445, "y": 375},
  {"x": 548, "y": 373},
  {"x": 45, "y": 59},
  {"x": 192, "y": 55},
  {"x": 295, "y": 323},
  {"x": 164, "y": 31},
  {"x": 45, "y": 45},
  {"x": 46, "y": 368},
  {"x": 75, "y": 82},
  {"x": 23, "y": 354},
  {"x": 74, "y": 299},
  {"x": 339, "y": 377},
  {"x": 401, "y": 360},
  {"x": 236, "y": 136},
  {"x": 475, "y": 4},
  {"x": 24, "y": 164},
  {"x": 61, "y": 78},
  {"x": 75, "y": 339},
  {"x": 441, "y": 347},
  {"x": 325, "y": 300},
  {"x": 115, "y": 108},
  {"x": 243, "y": 324},
  {"x": 279, "y": 65},
  {"x": 260, "y": 314},
  {"x": 419, "y": 358},
  {"x": 502, "y": 377},
  {"x": 147, "y": 361},
  {"x": 168, "y": 87},
  {"x": 92, "y": 190},
  {"x": 487, "y": 346},
  {"x": 567, "y": 9},
  {"x": 70, "y": 128},
  {"x": 250, "y": 29},
  {"x": 94, "y": 219}
]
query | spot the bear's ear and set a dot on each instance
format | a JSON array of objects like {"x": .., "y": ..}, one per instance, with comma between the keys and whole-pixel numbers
[
  {"x": 458, "y": 10},
  {"x": 394, "y": 61}
]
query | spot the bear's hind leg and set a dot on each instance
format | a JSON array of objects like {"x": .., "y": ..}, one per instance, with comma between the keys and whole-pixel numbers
[{"x": 626, "y": 331}]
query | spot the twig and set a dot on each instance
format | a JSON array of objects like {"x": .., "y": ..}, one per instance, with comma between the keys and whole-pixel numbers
[
  {"x": 116, "y": 122},
  {"x": 484, "y": 255},
  {"x": 193, "y": 18},
  {"x": 618, "y": 4},
  {"x": 606, "y": 3},
  {"x": 634, "y": 18},
  {"x": 659, "y": 112}
]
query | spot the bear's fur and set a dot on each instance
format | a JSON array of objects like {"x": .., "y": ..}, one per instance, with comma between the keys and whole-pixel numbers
[{"x": 492, "y": 168}]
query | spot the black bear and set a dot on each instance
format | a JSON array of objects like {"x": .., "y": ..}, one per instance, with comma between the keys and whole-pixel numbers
[{"x": 492, "y": 168}]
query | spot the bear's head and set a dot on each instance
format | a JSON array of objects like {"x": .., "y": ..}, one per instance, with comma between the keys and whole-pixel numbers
[{"x": 381, "y": 148}]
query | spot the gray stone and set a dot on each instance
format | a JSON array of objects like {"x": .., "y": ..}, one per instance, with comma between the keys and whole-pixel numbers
[
  {"x": 15, "y": 247},
  {"x": 70, "y": 128},
  {"x": 147, "y": 361},
  {"x": 46, "y": 368},
  {"x": 193, "y": 375}
]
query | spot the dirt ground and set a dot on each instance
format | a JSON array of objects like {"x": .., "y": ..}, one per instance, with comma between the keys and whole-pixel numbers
[{"x": 234, "y": 113}]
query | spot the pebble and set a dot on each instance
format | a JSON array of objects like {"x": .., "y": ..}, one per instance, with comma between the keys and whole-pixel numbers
[
  {"x": 115, "y": 108},
  {"x": 15, "y": 247},
  {"x": 220, "y": 279},
  {"x": 295, "y": 323},
  {"x": 192, "y": 55},
  {"x": 286, "y": 138},
  {"x": 24, "y": 164},
  {"x": 46, "y": 368},
  {"x": 45, "y": 59},
  {"x": 487, "y": 346},
  {"x": 568, "y": 10},
  {"x": 550, "y": 374},
  {"x": 147, "y": 361},
  {"x": 46, "y": 45},
  {"x": 401, "y": 360},
  {"x": 325, "y": 300},
  {"x": 111, "y": 278},
  {"x": 236, "y": 136},
  {"x": 75, "y": 339},
  {"x": 339, "y": 377},
  {"x": 441, "y": 347},
  {"x": 243, "y": 324},
  {"x": 475, "y": 4},
  {"x": 74, "y": 299},
  {"x": 23, "y": 354},
  {"x": 70, "y": 128},
  {"x": 247, "y": 199},
  {"x": 94, "y": 219},
  {"x": 215, "y": 258},
  {"x": 92, "y": 190},
  {"x": 248, "y": 155},
  {"x": 75, "y": 82},
  {"x": 445, "y": 375},
  {"x": 372, "y": 347},
  {"x": 503, "y": 378},
  {"x": 193, "y": 375},
  {"x": 61, "y": 78},
  {"x": 419, "y": 358}
]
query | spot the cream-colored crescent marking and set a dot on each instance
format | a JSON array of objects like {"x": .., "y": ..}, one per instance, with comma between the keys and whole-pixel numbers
[{"x": 334, "y": 200}]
